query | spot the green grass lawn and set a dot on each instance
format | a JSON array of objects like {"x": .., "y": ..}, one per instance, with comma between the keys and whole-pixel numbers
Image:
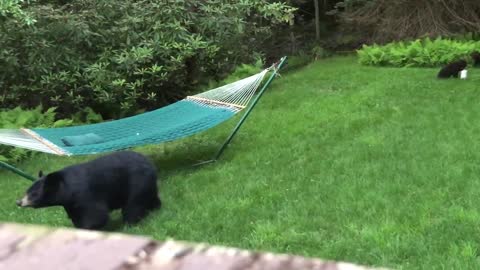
[{"x": 377, "y": 166}]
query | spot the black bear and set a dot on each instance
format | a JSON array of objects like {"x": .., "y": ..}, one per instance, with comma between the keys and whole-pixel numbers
[
  {"x": 476, "y": 58},
  {"x": 89, "y": 191},
  {"x": 452, "y": 69}
]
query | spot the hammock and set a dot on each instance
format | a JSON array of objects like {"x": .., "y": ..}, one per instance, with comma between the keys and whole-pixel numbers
[
  {"x": 186, "y": 117},
  {"x": 180, "y": 119}
]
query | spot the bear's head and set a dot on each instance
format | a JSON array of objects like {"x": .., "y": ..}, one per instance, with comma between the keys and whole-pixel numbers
[{"x": 43, "y": 192}]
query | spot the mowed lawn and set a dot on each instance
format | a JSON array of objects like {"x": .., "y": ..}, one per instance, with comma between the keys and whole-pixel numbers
[{"x": 377, "y": 166}]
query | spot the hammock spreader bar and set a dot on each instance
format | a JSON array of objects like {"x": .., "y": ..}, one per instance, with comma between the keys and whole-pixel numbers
[{"x": 275, "y": 68}]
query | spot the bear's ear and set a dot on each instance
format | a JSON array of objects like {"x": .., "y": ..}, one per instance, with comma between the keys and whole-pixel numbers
[
  {"x": 53, "y": 180},
  {"x": 40, "y": 174}
]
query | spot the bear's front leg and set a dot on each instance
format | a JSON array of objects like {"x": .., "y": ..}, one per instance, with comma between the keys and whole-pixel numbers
[
  {"x": 133, "y": 213},
  {"x": 70, "y": 211},
  {"x": 73, "y": 215},
  {"x": 90, "y": 217}
]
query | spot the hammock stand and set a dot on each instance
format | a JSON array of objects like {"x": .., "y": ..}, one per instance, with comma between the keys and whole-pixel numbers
[{"x": 224, "y": 111}]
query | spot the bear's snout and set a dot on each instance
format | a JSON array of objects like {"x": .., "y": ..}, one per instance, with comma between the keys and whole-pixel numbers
[{"x": 24, "y": 202}]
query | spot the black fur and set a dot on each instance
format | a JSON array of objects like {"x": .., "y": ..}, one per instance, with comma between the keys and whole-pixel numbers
[
  {"x": 89, "y": 191},
  {"x": 476, "y": 59},
  {"x": 452, "y": 69}
]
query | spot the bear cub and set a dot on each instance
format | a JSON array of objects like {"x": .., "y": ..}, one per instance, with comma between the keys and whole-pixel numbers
[
  {"x": 453, "y": 69},
  {"x": 89, "y": 191}
]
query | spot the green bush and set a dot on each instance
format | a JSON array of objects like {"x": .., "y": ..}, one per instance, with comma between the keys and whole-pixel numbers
[
  {"x": 12, "y": 10},
  {"x": 420, "y": 53},
  {"x": 295, "y": 62},
  {"x": 318, "y": 52},
  {"x": 122, "y": 56},
  {"x": 240, "y": 72},
  {"x": 18, "y": 117}
]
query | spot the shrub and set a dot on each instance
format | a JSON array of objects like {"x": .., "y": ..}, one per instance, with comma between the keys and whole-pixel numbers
[
  {"x": 240, "y": 72},
  {"x": 420, "y": 53},
  {"x": 297, "y": 62},
  {"x": 12, "y": 10},
  {"x": 121, "y": 56},
  {"x": 318, "y": 52}
]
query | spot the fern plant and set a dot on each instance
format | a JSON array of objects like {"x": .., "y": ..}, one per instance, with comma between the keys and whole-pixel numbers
[{"x": 418, "y": 53}]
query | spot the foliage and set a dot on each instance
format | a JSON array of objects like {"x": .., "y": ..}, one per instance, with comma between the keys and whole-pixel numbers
[
  {"x": 87, "y": 116},
  {"x": 422, "y": 53},
  {"x": 295, "y": 39},
  {"x": 243, "y": 71},
  {"x": 12, "y": 10},
  {"x": 18, "y": 117},
  {"x": 318, "y": 52},
  {"x": 296, "y": 62},
  {"x": 377, "y": 166},
  {"x": 122, "y": 56},
  {"x": 37, "y": 117},
  {"x": 392, "y": 20},
  {"x": 240, "y": 72}
]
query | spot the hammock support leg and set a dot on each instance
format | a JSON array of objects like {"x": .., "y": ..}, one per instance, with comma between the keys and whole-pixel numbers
[
  {"x": 17, "y": 171},
  {"x": 245, "y": 115}
]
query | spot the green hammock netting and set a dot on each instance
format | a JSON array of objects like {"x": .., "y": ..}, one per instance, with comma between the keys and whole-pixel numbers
[{"x": 175, "y": 121}]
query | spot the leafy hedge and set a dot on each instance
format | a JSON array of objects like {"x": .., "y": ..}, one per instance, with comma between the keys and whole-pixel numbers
[
  {"x": 420, "y": 53},
  {"x": 122, "y": 56}
]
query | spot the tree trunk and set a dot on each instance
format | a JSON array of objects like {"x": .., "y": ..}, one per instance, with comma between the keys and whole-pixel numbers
[{"x": 317, "y": 20}]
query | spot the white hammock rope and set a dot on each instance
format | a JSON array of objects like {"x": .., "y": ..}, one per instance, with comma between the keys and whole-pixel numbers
[
  {"x": 238, "y": 93},
  {"x": 234, "y": 96},
  {"x": 16, "y": 137}
]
